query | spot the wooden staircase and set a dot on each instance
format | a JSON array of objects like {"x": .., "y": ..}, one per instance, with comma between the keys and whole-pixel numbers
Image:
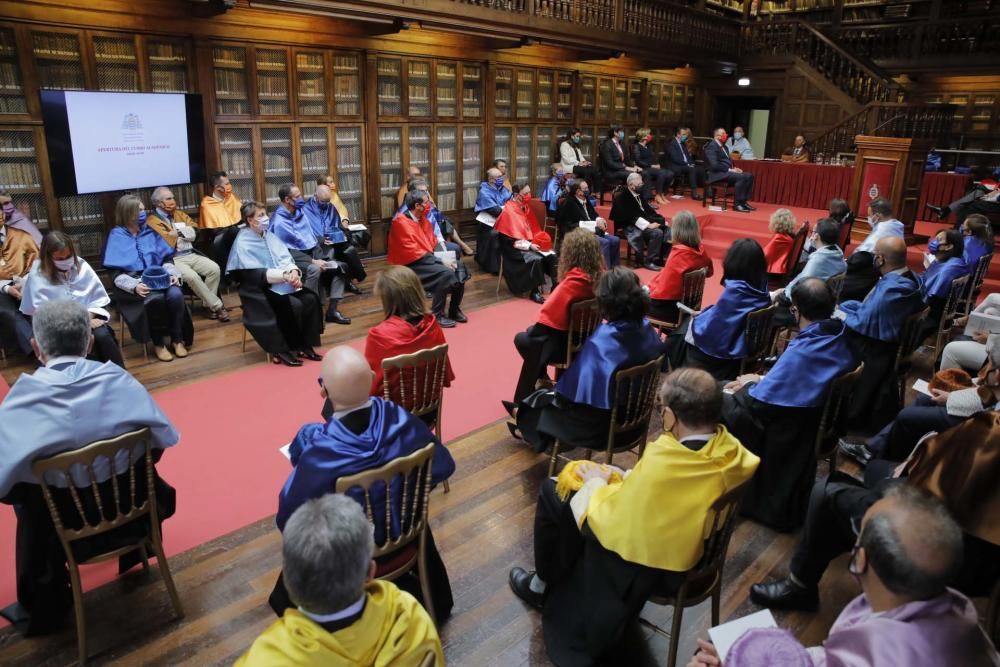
[{"x": 885, "y": 119}]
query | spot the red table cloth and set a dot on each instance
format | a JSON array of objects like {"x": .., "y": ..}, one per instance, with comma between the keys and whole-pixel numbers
[
  {"x": 941, "y": 189},
  {"x": 797, "y": 184}
]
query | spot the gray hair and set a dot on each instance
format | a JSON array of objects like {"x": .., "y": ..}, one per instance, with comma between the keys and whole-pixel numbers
[
  {"x": 414, "y": 197},
  {"x": 993, "y": 349},
  {"x": 326, "y": 550},
  {"x": 493, "y": 172},
  {"x": 415, "y": 183},
  {"x": 938, "y": 536},
  {"x": 61, "y": 328},
  {"x": 159, "y": 194},
  {"x": 694, "y": 396},
  {"x": 684, "y": 229},
  {"x": 633, "y": 178}
]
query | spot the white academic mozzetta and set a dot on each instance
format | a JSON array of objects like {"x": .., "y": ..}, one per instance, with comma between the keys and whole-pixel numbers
[{"x": 486, "y": 218}]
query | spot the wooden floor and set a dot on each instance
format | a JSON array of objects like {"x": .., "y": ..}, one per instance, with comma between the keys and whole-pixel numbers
[{"x": 483, "y": 528}]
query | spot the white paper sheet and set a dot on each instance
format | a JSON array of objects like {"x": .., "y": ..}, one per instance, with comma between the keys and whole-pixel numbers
[
  {"x": 981, "y": 322},
  {"x": 446, "y": 256},
  {"x": 922, "y": 387},
  {"x": 641, "y": 224},
  {"x": 725, "y": 635},
  {"x": 589, "y": 225},
  {"x": 486, "y": 218},
  {"x": 356, "y": 227}
]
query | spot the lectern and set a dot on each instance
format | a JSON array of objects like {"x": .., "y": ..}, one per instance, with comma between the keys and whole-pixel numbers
[{"x": 890, "y": 167}]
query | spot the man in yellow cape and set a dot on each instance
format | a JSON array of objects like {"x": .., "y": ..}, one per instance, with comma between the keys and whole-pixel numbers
[
  {"x": 600, "y": 554},
  {"x": 344, "y": 616},
  {"x": 221, "y": 208}
]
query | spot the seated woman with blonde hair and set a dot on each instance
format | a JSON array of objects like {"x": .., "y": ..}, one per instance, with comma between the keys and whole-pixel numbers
[
  {"x": 782, "y": 225},
  {"x": 686, "y": 254},
  {"x": 408, "y": 327},
  {"x": 60, "y": 273}
]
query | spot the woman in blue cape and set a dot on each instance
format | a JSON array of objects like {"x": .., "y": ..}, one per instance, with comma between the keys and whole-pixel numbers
[
  {"x": 154, "y": 312},
  {"x": 715, "y": 340},
  {"x": 948, "y": 264},
  {"x": 978, "y": 235},
  {"x": 578, "y": 412},
  {"x": 284, "y": 317}
]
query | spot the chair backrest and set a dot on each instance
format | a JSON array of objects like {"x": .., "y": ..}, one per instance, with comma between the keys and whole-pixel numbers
[
  {"x": 403, "y": 485},
  {"x": 846, "y": 225},
  {"x": 693, "y": 289},
  {"x": 416, "y": 381},
  {"x": 836, "y": 284},
  {"x": 978, "y": 276},
  {"x": 952, "y": 305},
  {"x": 584, "y": 316},
  {"x": 222, "y": 245},
  {"x": 759, "y": 330},
  {"x": 837, "y": 399},
  {"x": 537, "y": 208},
  {"x": 91, "y": 476},
  {"x": 798, "y": 243},
  {"x": 635, "y": 390},
  {"x": 909, "y": 338},
  {"x": 719, "y": 525}
]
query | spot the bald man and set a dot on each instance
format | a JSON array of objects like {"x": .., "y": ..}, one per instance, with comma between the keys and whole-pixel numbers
[
  {"x": 364, "y": 432},
  {"x": 875, "y": 326},
  {"x": 490, "y": 200},
  {"x": 333, "y": 236},
  {"x": 907, "y": 551}
]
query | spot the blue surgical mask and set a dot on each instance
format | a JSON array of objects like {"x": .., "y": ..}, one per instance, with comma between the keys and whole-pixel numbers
[
  {"x": 262, "y": 224},
  {"x": 576, "y": 140},
  {"x": 737, "y": 135},
  {"x": 933, "y": 246},
  {"x": 500, "y": 182},
  {"x": 142, "y": 216},
  {"x": 299, "y": 203},
  {"x": 621, "y": 136},
  {"x": 684, "y": 138}
]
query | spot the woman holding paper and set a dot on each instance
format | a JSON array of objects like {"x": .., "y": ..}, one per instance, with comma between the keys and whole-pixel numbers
[
  {"x": 526, "y": 250},
  {"x": 667, "y": 286},
  {"x": 282, "y": 316},
  {"x": 968, "y": 351}
]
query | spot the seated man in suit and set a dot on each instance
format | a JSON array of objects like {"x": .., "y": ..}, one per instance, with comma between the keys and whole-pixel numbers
[
  {"x": 342, "y": 614},
  {"x": 616, "y": 162},
  {"x": 640, "y": 532},
  {"x": 876, "y": 325},
  {"x": 364, "y": 432},
  {"x": 797, "y": 152},
  {"x": 959, "y": 466},
  {"x": 979, "y": 199},
  {"x": 721, "y": 170},
  {"x": 776, "y": 416},
  {"x": 578, "y": 207},
  {"x": 678, "y": 159},
  {"x": 905, "y": 551},
  {"x": 67, "y": 404},
  {"x": 649, "y": 243}
]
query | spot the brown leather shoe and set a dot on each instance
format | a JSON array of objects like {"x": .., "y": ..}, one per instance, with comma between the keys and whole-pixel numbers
[
  {"x": 180, "y": 350},
  {"x": 222, "y": 314},
  {"x": 162, "y": 353}
]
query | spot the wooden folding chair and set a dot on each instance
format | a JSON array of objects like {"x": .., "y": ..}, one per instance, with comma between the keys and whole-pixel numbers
[
  {"x": 704, "y": 580},
  {"x": 584, "y": 316},
  {"x": 416, "y": 382},
  {"x": 759, "y": 332},
  {"x": 693, "y": 291},
  {"x": 976, "y": 283},
  {"x": 635, "y": 389},
  {"x": 831, "y": 422},
  {"x": 410, "y": 478},
  {"x": 103, "y": 506},
  {"x": 836, "y": 284},
  {"x": 952, "y": 308},
  {"x": 909, "y": 340},
  {"x": 121, "y": 337}
]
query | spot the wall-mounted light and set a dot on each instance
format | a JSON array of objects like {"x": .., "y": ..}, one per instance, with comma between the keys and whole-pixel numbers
[{"x": 743, "y": 81}]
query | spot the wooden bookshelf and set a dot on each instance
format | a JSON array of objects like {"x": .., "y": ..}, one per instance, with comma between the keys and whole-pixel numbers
[
  {"x": 445, "y": 180},
  {"x": 347, "y": 84},
  {"x": 472, "y": 91},
  {"x": 418, "y": 88},
  {"x": 116, "y": 63},
  {"x": 503, "y": 79},
  {"x": 272, "y": 82},
  {"x": 83, "y": 219},
  {"x": 349, "y": 169},
  {"x": 278, "y": 161},
  {"x": 169, "y": 63},
  {"x": 389, "y": 84},
  {"x": 311, "y": 91},
  {"x": 236, "y": 158},
  {"x": 446, "y": 89},
  {"x": 588, "y": 98},
  {"x": 390, "y": 165},
  {"x": 472, "y": 163},
  {"x": 58, "y": 60},
  {"x": 314, "y": 156},
  {"x": 524, "y": 101},
  {"x": 11, "y": 82},
  {"x": 229, "y": 63},
  {"x": 20, "y": 175}
]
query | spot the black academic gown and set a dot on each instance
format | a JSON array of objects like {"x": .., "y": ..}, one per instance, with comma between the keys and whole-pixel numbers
[
  {"x": 278, "y": 322},
  {"x": 133, "y": 309}
]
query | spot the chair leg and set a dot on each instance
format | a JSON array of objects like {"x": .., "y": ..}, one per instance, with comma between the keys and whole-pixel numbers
[
  {"x": 81, "y": 626},
  {"x": 145, "y": 557},
  {"x": 499, "y": 276},
  {"x": 244, "y": 348},
  {"x": 168, "y": 579},
  {"x": 675, "y": 630},
  {"x": 425, "y": 582},
  {"x": 552, "y": 461},
  {"x": 716, "y": 600}
]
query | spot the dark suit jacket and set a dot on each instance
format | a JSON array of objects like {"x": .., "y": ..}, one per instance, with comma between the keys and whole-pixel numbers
[
  {"x": 676, "y": 154},
  {"x": 611, "y": 160},
  {"x": 718, "y": 161},
  {"x": 571, "y": 212},
  {"x": 643, "y": 156},
  {"x": 626, "y": 210}
]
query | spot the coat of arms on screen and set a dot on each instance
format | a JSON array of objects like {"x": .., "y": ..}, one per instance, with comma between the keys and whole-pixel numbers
[
  {"x": 131, "y": 122},
  {"x": 873, "y": 192}
]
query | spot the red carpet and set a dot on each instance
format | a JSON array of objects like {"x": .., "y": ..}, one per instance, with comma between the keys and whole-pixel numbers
[{"x": 227, "y": 469}]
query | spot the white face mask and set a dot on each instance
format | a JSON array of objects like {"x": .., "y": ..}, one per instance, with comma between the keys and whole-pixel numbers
[
  {"x": 737, "y": 135},
  {"x": 64, "y": 265},
  {"x": 262, "y": 224},
  {"x": 872, "y": 221}
]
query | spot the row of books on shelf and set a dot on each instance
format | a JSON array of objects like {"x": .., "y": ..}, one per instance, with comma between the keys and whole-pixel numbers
[
  {"x": 19, "y": 176},
  {"x": 114, "y": 49},
  {"x": 274, "y": 163},
  {"x": 165, "y": 80},
  {"x": 78, "y": 211},
  {"x": 17, "y": 142},
  {"x": 271, "y": 58},
  {"x": 231, "y": 56},
  {"x": 64, "y": 75},
  {"x": 48, "y": 44},
  {"x": 269, "y": 85},
  {"x": 345, "y": 63},
  {"x": 237, "y": 161},
  {"x": 311, "y": 88},
  {"x": 389, "y": 67},
  {"x": 230, "y": 82},
  {"x": 389, "y": 179}
]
